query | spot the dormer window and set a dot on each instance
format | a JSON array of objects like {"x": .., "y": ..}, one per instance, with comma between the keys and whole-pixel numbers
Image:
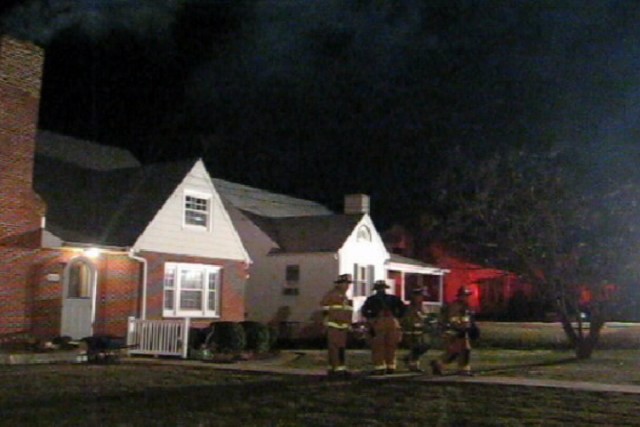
[
  {"x": 364, "y": 234},
  {"x": 197, "y": 211}
]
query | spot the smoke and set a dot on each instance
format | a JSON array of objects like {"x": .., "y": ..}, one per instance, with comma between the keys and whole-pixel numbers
[
  {"x": 40, "y": 20},
  {"x": 309, "y": 82}
]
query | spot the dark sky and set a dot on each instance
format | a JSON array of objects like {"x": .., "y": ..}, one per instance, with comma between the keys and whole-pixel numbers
[{"x": 325, "y": 97}]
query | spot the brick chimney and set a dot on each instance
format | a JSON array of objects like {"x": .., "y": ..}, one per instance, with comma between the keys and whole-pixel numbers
[
  {"x": 356, "y": 204},
  {"x": 21, "y": 210}
]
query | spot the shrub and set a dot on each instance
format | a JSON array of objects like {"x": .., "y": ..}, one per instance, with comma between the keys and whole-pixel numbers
[
  {"x": 257, "y": 336},
  {"x": 227, "y": 337},
  {"x": 274, "y": 336}
]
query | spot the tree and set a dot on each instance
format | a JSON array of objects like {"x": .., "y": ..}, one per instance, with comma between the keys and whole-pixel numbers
[{"x": 541, "y": 216}]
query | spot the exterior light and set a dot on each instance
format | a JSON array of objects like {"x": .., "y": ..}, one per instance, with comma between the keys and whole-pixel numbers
[{"x": 92, "y": 252}]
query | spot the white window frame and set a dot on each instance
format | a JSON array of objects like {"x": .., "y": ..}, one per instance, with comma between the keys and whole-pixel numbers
[
  {"x": 363, "y": 234},
  {"x": 172, "y": 290},
  {"x": 291, "y": 284},
  {"x": 362, "y": 279},
  {"x": 201, "y": 196}
]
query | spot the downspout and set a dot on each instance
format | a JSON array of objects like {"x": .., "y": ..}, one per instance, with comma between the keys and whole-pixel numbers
[{"x": 143, "y": 261}]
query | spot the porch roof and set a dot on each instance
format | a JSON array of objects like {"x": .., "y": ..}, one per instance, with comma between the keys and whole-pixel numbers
[{"x": 401, "y": 263}]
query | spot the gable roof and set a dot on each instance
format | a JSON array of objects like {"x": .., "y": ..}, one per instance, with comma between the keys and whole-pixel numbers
[
  {"x": 110, "y": 208},
  {"x": 265, "y": 203},
  {"x": 320, "y": 233}
]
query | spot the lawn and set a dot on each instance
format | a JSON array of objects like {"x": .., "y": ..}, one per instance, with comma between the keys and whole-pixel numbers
[
  {"x": 197, "y": 395},
  {"x": 153, "y": 394}
]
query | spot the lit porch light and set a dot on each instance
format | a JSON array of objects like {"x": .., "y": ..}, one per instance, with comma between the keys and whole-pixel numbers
[{"x": 92, "y": 252}]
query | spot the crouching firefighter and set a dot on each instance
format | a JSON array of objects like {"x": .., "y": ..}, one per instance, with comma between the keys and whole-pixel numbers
[
  {"x": 459, "y": 330},
  {"x": 414, "y": 330},
  {"x": 382, "y": 312},
  {"x": 337, "y": 311}
]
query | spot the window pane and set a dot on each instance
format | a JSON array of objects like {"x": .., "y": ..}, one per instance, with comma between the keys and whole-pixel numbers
[
  {"x": 191, "y": 300},
  {"x": 196, "y": 218},
  {"x": 212, "y": 302},
  {"x": 191, "y": 279},
  {"x": 168, "y": 299},
  {"x": 364, "y": 235},
  {"x": 79, "y": 281},
  {"x": 292, "y": 273},
  {"x": 195, "y": 203},
  {"x": 170, "y": 277},
  {"x": 212, "y": 299}
]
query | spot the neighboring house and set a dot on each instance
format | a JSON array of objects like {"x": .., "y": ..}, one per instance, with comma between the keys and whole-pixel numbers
[
  {"x": 404, "y": 274},
  {"x": 493, "y": 289},
  {"x": 299, "y": 247}
]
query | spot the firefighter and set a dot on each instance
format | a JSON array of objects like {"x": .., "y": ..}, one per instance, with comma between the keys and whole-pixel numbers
[
  {"x": 456, "y": 320},
  {"x": 337, "y": 312},
  {"x": 382, "y": 312},
  {"x": 414, "y": 330}
]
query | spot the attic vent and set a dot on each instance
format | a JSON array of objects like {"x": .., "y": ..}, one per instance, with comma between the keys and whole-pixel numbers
[{"x": 356, "y": 204}]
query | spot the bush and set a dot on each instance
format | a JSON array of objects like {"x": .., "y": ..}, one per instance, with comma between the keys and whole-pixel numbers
[
  {"x": 228, "y": 337},
  {"x": 274, "y": 336},
  {"x": 257, "y": 335}
]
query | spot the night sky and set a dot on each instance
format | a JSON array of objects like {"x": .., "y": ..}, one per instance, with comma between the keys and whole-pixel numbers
[{"x": 319, "y": 98}]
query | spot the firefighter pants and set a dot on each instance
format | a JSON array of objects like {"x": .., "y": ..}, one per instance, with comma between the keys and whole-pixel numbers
[
  {"x": 417, "y": 346},
  {"x": 457, "y": 348},
  {"x": 336, "y": 345},
  {"x": 386, "y": 335}
]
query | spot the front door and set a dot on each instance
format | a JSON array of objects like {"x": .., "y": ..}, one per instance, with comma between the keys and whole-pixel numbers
[{"x": 78, "y": 300}]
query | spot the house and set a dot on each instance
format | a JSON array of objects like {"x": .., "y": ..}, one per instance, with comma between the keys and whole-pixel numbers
[
  {"x": 103, "y": 238},
  {"x": 299, "y": 247},
  {"x": 118, "y": 239},
  {"x": 492, "y": 289},
  {"x": 153, "y": 241}
]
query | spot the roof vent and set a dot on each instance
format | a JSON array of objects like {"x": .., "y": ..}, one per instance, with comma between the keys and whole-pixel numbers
[{"x": 356, "y": 204}]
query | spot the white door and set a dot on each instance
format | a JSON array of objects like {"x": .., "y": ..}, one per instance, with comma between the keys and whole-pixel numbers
[{"x": 78, "y": 299}]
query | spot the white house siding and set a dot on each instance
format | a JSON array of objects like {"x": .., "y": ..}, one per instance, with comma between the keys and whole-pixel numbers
[
  {"x": 268, "y": 281},
  {"x": 363, "y": 253},
  {"x": 258, "y": 245},
  {"x": 166, "y": 232}
]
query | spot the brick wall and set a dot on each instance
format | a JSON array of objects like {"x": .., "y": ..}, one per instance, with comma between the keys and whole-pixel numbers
[
  {"x": 232, "y": 286},
  {"x": 119, "y": 292},
  {"x": 20, "y": 208}
]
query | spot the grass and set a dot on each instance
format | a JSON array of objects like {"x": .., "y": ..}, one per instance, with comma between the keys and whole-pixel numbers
[
  {"x": 196, "y": 395},
  {"x": 606, "y": 366},
  {"x": 156, "y": 395}
]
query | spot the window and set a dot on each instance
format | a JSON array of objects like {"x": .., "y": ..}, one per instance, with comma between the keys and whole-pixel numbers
[
  {"x": 196, "y": 211},
  {"x": 293, "y": 274},
  {"x": 79, "y": 280},
  {"x": 292, "y": 278},
  {"x": 191, "y": 290},
  {"x": 362, "y": 280},
  {"x": 364, "y": 234}
]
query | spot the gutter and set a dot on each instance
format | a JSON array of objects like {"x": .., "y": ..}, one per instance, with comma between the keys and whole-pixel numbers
[{"x": 143, "y": 261}]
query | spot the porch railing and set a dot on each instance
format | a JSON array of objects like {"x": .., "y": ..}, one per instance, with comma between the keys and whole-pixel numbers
[{"x": 158, "y": 337}]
